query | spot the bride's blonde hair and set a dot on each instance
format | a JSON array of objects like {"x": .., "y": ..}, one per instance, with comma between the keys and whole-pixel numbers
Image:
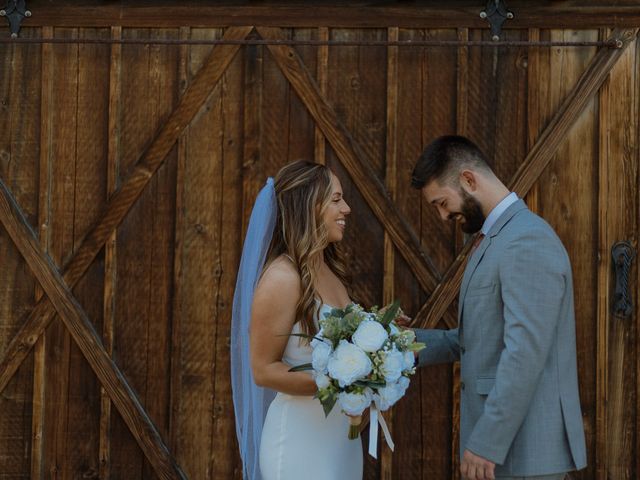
[{"x": 303, "y": 191}]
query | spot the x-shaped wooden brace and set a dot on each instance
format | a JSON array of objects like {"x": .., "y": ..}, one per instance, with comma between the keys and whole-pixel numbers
[{"x": 348, "y": 151}]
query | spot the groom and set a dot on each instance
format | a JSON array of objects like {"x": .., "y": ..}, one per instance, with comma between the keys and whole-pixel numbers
[{"x": 519, "y": 410}]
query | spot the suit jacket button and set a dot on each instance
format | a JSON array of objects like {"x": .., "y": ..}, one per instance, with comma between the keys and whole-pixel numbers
[
  {"x": 463, "y": 350},
  {"x": 462, "y": 385}
]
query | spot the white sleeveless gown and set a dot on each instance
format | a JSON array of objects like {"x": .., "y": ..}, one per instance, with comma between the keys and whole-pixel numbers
[{"x": 298, "y": 442}]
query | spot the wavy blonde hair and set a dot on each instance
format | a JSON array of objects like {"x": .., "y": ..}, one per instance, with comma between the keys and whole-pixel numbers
[{"x": 303, "y": 191}]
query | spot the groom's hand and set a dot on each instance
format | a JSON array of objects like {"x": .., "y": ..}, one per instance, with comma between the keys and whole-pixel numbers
[{"x": 474, "y": 467}]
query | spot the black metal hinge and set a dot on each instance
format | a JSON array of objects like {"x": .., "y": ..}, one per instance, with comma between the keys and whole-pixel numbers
[
  {"x": 15, "y": 11},
  {"x": 496, "y": 14}
]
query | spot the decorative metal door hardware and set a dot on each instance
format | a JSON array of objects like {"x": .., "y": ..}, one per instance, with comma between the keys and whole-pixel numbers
[
  {"x": 15, "y": 11},
  {"x": 623, "y": 254},
  {"x": 496, "y": 14}
]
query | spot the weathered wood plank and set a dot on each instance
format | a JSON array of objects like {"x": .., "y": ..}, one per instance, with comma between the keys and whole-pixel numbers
[
  {"x": 391, "y": 184},
  {"x": 440, "y": 103},
  {"x": 197, "y": 228},
  {"x": 302, "y": 128},
  {"x": 61, "y": 241},
  {"x": 567, "y": 201},
  {"x": 322, "y": 74},
  {"x": 225, "y": 454},
  {"x": 618, "y": 221},
  {"x": 453, "y": 14},
  {"x": 87, "y": 166},
  {"x": 114, "y": 154},
  {"x": 353, "y": 91},
  {"x": 123, "y": 199},
  {"x": 19, "y": 142},
  {"x": 44, "y": 214},
  {"x": 86, "y": 338},
  {"x": 532, "y": 166},
  {"x": 353, "y": 159}
]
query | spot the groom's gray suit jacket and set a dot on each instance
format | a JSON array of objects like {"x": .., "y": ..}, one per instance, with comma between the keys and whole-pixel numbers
[{"x": 515, "y": 340}]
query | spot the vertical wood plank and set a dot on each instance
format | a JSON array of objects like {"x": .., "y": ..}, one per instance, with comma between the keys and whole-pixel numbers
[
  {"x": 391, "y": 182},
  {"x": 407, "y": 461},
  {"x": 252, "y": 175},
  {"x": 197, "y": 231},
  {"x": 20, "y": 101},
  {"x": 567, "y": 202},
  {"x": 110, "y": 256},
  {"x": 534, "y": 127},
  {"x": 497, "y": 101},
  {"x": 302, "y": 127},
  {"x": 354, "y": 90},
  {"x": 618, "y": 221},
  {"x": 462, "y": 122},
  {"x": 89, "y": 163},
  {"x": 323, "y": 76},
  {"x": 275, "y": 117},
  {"x": 44, "y": 216},
  {"x": 175, "y": 400},
  {"x": 441, "y": 105},
  {"x": 62, "y": 200},
  {"x": 145, "y": 244},
  {"x": 163, "y": 71},
  {"x": 225, "y": 457}
]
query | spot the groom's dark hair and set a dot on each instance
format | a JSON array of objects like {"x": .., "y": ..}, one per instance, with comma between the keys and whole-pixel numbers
[{"x": 444, "y": 158}]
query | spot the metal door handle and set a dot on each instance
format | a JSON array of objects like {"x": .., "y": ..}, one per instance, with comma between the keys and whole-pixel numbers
[{"x": 623, "y": 254}]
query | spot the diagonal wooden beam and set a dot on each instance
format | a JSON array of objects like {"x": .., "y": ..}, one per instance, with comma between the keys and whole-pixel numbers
[
  {"x": 85, "y": 336},
  {"x": 125, "y": 197},
  {"x": 351, "y": 156},
  {"x": 534, "y": 164}
]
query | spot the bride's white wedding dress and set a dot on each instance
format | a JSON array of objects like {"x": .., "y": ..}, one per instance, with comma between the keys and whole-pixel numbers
[{"x": 298, "y": 442}]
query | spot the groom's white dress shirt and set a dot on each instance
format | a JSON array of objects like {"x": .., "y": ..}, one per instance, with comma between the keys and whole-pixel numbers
[{"x": 498, "y": 210}]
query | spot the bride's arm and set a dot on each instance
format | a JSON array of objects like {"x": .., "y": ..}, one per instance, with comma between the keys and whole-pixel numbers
[{"x": 272, "y": 318}]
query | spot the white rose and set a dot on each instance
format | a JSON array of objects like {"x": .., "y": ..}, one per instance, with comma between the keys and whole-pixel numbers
[
  {"x": 322, "y": 381},
  {"x": 387, "y": 396},
  {"x": 409, "y": 360},
  {"x": 355, "y": 403},
  {"x": 370, "y": 336},
  {"x": 320, "y": 356},
  {"x": 348, "y": 363},
  {"x": 392, "y": 366}
]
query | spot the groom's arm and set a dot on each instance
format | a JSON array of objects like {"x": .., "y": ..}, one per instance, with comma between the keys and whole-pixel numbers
[
  {"x": 442, "y": 346},
  {"x": 533, "y": 276}
]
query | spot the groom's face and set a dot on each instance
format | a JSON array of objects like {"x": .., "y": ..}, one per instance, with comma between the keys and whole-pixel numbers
[{"x": 453, "y": 203}]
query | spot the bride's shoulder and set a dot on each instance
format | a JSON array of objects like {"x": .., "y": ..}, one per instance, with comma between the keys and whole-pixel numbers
[{"x": 280, "y": 276}]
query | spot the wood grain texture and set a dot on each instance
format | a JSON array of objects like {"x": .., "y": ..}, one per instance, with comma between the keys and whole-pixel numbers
[
  {"x": 86, "y": 338},
  {"x": 122, "y": 200},
  {"x": 322, "y": 75},
  {"x": 353, "y": 92},
  {"x": 532, "y": 166},
  {"x": 110, "y": 252},
  {"x": 20, "y": 98},
  {"x": 377, "y": 14},
  {"x": 618, "y": 221},
  {"x": 353, "y": 159},
  {"x": 197, "y": 239}
]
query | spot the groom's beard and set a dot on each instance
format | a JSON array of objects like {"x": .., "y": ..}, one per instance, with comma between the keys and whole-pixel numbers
[{"x": 472, "y": 213}]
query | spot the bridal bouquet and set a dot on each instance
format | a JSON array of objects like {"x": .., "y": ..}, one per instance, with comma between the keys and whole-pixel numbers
[{"x": 361, "y": 358}]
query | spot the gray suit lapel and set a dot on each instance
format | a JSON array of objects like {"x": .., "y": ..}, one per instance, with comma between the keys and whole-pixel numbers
[{"x": 476, "y": 257}]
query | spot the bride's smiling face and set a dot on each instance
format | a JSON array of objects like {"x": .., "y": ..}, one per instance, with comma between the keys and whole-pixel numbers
[{"x": 336, "y": 212}]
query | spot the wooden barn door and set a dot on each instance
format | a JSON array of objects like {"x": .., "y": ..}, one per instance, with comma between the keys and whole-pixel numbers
[{"x": 158, "y": 239}]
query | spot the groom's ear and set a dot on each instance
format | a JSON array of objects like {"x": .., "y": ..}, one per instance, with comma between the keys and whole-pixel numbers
[{"x": 468, "y": 180}]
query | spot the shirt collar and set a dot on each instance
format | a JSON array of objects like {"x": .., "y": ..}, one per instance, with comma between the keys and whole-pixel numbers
[{"x": 498, "y": 210}]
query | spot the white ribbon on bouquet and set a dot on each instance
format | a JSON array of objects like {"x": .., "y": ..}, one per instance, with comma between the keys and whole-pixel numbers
[{"x": 375, "y": 417}]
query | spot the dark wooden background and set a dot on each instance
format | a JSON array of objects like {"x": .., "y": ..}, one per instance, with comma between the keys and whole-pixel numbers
[{"x": 76, "y": 117}]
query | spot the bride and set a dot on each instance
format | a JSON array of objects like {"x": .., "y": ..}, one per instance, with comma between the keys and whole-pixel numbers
[{"x": 291, "y": 273}]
